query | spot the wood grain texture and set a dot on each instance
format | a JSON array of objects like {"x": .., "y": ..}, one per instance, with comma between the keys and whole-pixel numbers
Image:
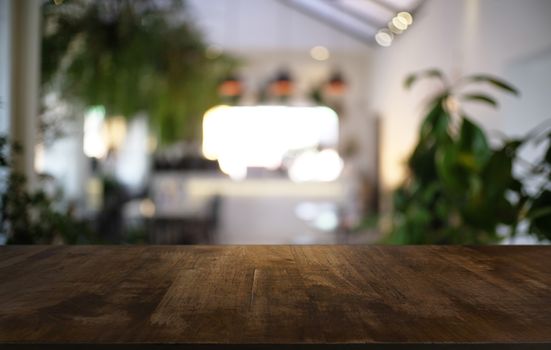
[{"x": 206, "y": 297}]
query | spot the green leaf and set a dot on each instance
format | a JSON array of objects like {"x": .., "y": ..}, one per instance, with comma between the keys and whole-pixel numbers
[
  {"x": 138, "y": 61},
  {"x": 541, "y": 215},
  {"x": 479, "y": 97},
  {"x": 422, "y": 164},
  {"x": 459, "y": 187},
  {"x": 498, "y": 174},
  {"x": 435, "y": 125},
  {"x": 547, "y": 156},
  {"x": 516, "y": 186},
  {"x": 511, "y": 146},
  {"x": 400, "y": 199},
  {"x": 505, "y": 211},
  {"x": 431, "y": 73},
  {"x": 473, "y": 145},
  {"x": 494, "y": 81},
  {"x": 453, "y": 177}
]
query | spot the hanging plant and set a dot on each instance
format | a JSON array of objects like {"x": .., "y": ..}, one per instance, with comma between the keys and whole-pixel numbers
[{"x": 132, "y": 56}]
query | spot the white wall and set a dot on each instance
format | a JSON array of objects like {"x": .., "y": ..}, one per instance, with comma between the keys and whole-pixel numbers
[
  {"x": 4, "y": 81},
  {"x": 507, "y": 38},
  {"x": 4, "y": 65}
]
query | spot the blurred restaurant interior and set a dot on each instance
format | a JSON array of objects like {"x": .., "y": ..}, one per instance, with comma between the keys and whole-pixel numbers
[{"x": 275, "y": 121}]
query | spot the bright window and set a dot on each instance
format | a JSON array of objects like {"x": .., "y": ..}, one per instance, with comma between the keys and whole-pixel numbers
[{"x": 265, "y": 136}]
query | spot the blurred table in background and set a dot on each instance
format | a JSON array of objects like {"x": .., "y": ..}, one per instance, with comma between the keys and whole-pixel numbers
[{"x": 250, "y": 211}]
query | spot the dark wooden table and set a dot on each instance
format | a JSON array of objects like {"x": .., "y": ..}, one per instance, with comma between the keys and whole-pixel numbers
[{"x": 264, "y": 297}]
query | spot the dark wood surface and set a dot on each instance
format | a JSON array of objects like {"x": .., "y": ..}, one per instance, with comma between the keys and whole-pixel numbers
[{"x": 257, "y": 297}]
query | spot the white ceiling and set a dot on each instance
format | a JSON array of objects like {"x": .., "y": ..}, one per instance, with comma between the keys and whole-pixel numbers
[
  {"x": 358, "y": 18},
  {"x": 346, "y": 25}
]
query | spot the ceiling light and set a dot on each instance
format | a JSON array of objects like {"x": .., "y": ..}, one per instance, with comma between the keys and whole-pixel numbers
[
  {"x": 336, "y": 86},
  {"x": 406, "y": 16},
  {"x": 231, "y": 87},
  {"x": 384, "y": 37},
  {"x": 283, "y": 85},
  {"x": 319, "y": 53},
  {"x": 393, "y": 29},
  {"x": 400, "y": 23}
]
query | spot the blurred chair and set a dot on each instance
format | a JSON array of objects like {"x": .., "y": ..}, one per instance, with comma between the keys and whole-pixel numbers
[
  {"x": 182, "y": 216},
  {"x": 186, "y": 230}
]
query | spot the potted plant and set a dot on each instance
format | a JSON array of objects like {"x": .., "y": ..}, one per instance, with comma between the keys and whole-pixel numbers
[{"x": 461, "y": 190}]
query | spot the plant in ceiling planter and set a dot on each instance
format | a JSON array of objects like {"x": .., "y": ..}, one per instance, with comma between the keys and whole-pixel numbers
[
  {"x": 460, "y": 190},
  {"x": 132, "y": 56}
]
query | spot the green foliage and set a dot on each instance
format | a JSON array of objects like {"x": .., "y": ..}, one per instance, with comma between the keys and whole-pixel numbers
[
  {"x": 31, "y": 217},
  {"x": 460, "y": 189},
  {"x": 538, "y": 210},
  {"x": 132, "y": 56},
  {"x": 431, "y": 73}
]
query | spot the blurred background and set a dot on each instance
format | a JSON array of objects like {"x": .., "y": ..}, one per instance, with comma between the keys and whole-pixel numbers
[{"x": 275, "y": 121}]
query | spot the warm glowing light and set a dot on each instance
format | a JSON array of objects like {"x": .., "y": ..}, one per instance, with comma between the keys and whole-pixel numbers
[
  {"x": 399, "y": 23},
  {"x": 101, "y": 134},
  {"x": 316, "y": 166},
  {"x": 406, "y": 16},
  {"x": 230, "y": 88},
  {"x": 234, "y": 167},
  {"x": 393, "y": 29},
  {"x": 39, "y": 158},
  {"x": 319, "y": 53},
  {"x": 94, "y": 144},
  {"x": 152, "y": 143},
  {"x": 452, "y": 104},
  {"x": 262, "y": 136},
  {"x": 384, "y": 37},
  {"x": 283, "y": 85},
  {"x": 115, "y": 132},
  {"x": 397, "y": 26},
  {"x": 336, "y": 85},
  {"x": 147, "y": 208}
]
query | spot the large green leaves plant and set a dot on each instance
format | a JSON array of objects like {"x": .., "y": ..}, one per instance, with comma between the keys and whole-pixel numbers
[
  {"x": 535, "y": 200},
  {"x": 459, "y": 189}
]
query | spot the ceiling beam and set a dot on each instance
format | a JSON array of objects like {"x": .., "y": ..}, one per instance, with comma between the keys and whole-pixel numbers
[
  {"x": 386, "y": 5},
  {"x": 369, "y": 20},
  {"x": 308, "y": 11}
]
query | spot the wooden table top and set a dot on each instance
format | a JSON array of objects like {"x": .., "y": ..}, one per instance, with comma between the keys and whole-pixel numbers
[{"x": 210, "y": 297}]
